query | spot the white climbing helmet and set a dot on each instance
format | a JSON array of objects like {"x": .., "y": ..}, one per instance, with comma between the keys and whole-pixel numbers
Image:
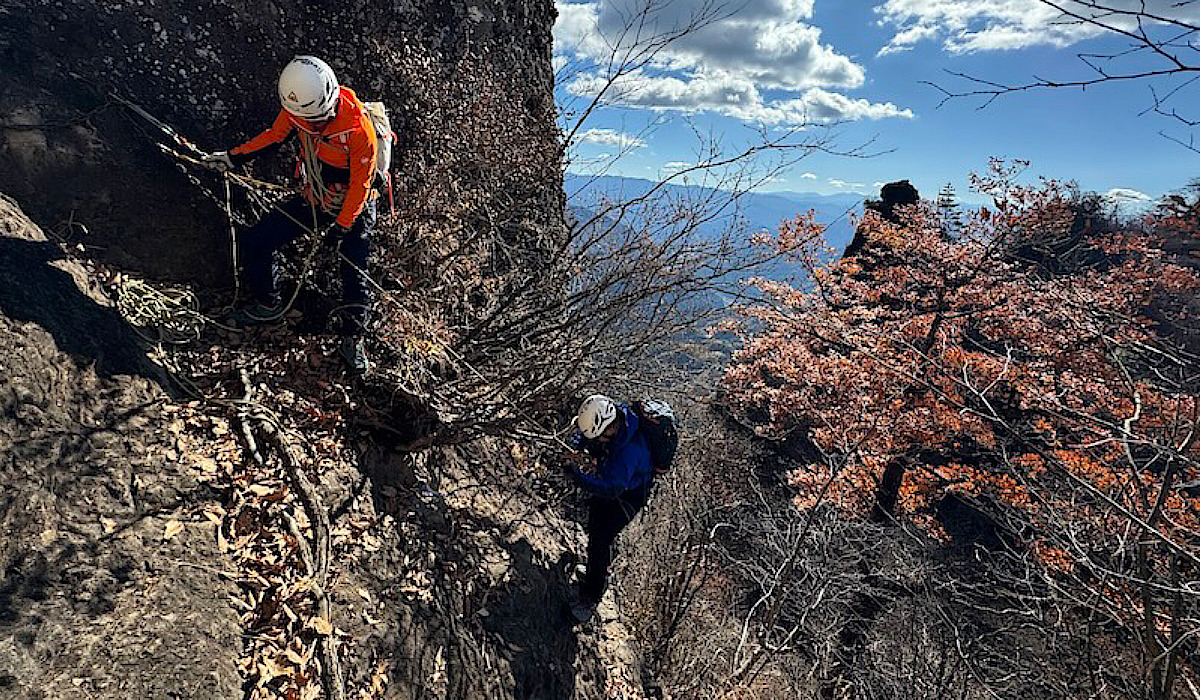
[
  {"x": 596, "y": 413},
  {"x": 308, "y": 88}
]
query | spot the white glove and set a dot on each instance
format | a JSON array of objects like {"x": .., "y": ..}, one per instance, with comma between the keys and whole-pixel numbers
[{"x": 218, "y": 161}]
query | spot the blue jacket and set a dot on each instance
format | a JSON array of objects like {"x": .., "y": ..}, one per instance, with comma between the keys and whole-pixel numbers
[{"x": 623, "y": 464}]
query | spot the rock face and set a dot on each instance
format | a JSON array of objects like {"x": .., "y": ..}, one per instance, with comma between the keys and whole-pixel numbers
[
  {"x": 464, "y": 81},
  {"x": 96, "y": 598}
]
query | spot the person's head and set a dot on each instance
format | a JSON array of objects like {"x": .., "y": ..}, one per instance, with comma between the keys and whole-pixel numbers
[
  {"x": 598, "y": 418},
  {"x": 308, "y": 89}
]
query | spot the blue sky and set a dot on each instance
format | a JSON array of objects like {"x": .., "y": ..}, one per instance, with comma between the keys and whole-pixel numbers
[{"x": 782, "y": 62}]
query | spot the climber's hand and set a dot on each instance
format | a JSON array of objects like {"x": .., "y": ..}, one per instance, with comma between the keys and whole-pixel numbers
[
  {"x": 574, "y": 460},
  {"x": 218, "y": 161},
  {"x": 334, "y": 234}
]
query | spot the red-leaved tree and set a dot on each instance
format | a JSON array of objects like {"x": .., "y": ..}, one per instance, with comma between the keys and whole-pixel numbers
[{"x": 1027, "y": 368}]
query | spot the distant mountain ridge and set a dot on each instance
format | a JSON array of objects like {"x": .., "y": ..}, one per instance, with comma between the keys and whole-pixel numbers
[{"x": 757, "y": 211}]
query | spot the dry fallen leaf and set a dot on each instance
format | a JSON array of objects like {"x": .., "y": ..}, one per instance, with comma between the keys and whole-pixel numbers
[
  {"x": 269, "y": 493},
  {"x": 379, "y": 680},
  {"x": 321, "y": 626},
  {"x": 295, "y": 657},
  {"x": 268, "y": 669},
  {"x": 174, "y": 527},
  {"x": 208, "y": 465}
]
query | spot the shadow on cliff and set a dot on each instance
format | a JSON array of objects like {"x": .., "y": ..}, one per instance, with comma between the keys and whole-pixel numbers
[
  {"x": 527, "y": 617},
  {"x": 33, "y": 290},
  {"x": 503, "y": 639}
]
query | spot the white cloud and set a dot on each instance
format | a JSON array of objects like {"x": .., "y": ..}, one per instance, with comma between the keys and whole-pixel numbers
[
  {"x": 610, "y": 137},
  {"x": 808, "y": 176},
  {"x": 761, "y": 40},
  {"x": 722, "y": 65},
  {"x": 817, "y": 105},
  {"x": 905, "y": 39},
  {"x": 843, "y": 185},
  {"x": 734, "y": 97},
  {"x": 1125, "y": 194},
  {"x": 575, "y": 30},
  {"x": 968, "y": 26},
  {"x": 773, "y": 54},
  {"x": 666, "y": 92}
]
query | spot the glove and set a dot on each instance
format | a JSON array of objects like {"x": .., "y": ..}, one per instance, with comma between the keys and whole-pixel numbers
[
  {"x": 334, "y": 234},
  {"x": 218, "y": 161}
]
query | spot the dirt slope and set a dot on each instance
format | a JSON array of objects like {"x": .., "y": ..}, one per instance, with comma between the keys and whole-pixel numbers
[{"x": 94, "y": 602}]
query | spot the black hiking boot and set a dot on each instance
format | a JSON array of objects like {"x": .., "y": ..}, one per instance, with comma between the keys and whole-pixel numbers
[
  {"x": 354, "y": 354},
  {"x": 579, "y": 610}
]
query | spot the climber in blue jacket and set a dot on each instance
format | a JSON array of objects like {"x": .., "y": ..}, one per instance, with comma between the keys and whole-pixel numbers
[{"x": 619, "y": 486}]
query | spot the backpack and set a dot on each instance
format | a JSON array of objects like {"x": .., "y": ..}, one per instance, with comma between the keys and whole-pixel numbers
[
  {"x": 658, "y": 423},
  {"x": 385, "y": 139}
]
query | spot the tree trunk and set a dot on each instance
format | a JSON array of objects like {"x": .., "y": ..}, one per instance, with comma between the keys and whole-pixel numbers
[{"x": 887, "y": 494}]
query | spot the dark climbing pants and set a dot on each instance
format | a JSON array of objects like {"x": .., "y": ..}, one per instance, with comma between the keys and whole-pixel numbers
[
  {"x": 606, "y": 518},
  {"x": 257, "y": 247}
]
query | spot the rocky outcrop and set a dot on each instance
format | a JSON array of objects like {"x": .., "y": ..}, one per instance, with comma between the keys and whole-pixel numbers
[
  {"x": 95, "y": 574},
  {"x": 891, "y": 196}
]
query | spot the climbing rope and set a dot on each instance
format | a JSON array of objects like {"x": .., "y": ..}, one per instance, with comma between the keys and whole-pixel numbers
[
  {"x": 145, "y": 307},
  {"x": 172, "y": 313},
  {"x": 317, "y": 189}
]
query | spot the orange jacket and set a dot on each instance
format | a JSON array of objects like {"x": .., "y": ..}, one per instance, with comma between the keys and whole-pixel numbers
[{"x": 348, "y": 142}]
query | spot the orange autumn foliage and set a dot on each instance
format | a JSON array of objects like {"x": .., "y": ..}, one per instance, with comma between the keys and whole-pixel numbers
[{"x": 1025, "y": 365}]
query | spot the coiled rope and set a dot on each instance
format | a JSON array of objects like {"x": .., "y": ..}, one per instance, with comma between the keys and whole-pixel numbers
[{"x": 172, "y": 313}]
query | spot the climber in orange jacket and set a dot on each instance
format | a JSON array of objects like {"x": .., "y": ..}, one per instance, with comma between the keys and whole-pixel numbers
[{"x": 338, "y": 151}]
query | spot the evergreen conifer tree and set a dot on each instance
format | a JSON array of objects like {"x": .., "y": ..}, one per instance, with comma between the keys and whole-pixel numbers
[{"x": 948, "y": 213}]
